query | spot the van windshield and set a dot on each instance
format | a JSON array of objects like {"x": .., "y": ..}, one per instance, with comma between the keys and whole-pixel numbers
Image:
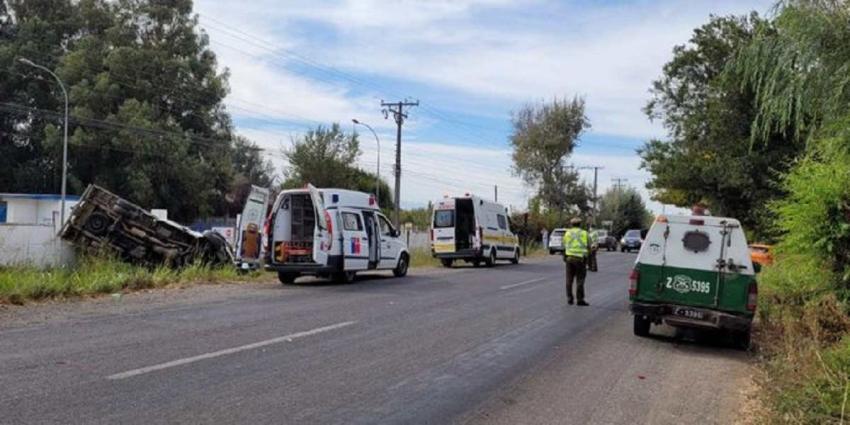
[
  {"x": 444, "y": 218},
  {"x": 633, "y": 234}
]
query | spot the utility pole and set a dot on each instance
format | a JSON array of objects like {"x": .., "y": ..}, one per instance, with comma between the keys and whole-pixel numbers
[
  {"x": 619, "y": 182},
  {"x": 496, "y": 193},
  {"x": 397, "y": 109},
  {"x": 595, "y": 169}
]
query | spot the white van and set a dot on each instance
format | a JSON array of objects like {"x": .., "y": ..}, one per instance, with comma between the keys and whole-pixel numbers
[
  {"x": 331, "y": 233},
  {"x": 472, "y": 229}
]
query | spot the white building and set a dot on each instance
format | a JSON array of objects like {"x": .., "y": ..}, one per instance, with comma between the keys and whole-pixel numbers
[
  {"x": 28, "y": 227},
  {"x": 26, "y": 208}
]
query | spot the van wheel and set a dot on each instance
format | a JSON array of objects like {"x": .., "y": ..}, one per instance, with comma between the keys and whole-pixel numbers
[
  {"x": 344, "y": 277},
  {"x": 491, "y": 259},
  {"x": 447, "y": 262},
  {"x": 400, "y": 269},
  {"x": 287, "y": 278},
  {"x": 515, "y": 260},
  {"x": 642, "y": 326}
]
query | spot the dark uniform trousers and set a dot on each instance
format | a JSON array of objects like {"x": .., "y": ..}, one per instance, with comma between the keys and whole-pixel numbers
[{"x": 576, "y": 270}]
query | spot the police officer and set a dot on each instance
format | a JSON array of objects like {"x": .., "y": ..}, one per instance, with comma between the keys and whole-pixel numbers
[{"x": 576, "y": 252}]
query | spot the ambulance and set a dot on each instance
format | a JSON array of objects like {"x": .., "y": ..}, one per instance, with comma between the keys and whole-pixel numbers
[
  {"x": 695, "y": 272},
  {"x": 473, "y": 230},
  {"x": 331, "y": 233}
]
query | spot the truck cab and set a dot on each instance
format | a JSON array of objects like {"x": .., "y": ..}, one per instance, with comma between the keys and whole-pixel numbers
[
  {"x": 331, "y": 233},
  {"x": 694, "y": 272}
]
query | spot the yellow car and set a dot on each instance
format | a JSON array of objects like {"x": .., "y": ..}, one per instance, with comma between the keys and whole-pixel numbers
[{"x": 761, "y": 254}]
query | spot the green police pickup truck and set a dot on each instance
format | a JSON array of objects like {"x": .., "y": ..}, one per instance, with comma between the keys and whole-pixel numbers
[{"x": 694, "y": 272}]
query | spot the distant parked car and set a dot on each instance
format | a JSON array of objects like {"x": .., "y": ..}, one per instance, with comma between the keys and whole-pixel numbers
[
  {"x": 761, "y": 254},
  {"x": 631, "y": 241},
  {"x": 556, "y": 241},
  {"x": 605, "y": 240}
]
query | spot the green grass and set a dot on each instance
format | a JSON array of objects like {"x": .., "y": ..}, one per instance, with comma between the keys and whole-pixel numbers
[
  {"x": 421, "y": 257},
  {"x": 803, "y": 340},
  {"x": 98, "y": 275}
]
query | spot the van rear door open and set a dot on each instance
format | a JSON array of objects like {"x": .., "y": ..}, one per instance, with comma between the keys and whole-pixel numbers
[{"x": 444, "y": 227}]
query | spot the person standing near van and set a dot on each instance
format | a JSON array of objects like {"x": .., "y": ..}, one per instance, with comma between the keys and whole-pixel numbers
[{"x": 576, "y": 252}]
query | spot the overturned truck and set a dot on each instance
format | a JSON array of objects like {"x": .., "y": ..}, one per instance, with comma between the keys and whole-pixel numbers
[{"x": 103, "y": 221}]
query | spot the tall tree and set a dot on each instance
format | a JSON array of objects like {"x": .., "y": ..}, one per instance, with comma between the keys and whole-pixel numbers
[
  {"x": 146, "y": 96},
  {"x": 543, "y": 139},
  {"x": 625, "y": 209},
  {"x": 325, "y": 157},
  {"x": 708, "y": 113}
]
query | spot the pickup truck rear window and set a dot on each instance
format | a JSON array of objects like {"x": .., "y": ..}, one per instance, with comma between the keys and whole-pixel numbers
[{"x": 696, "y": 241}]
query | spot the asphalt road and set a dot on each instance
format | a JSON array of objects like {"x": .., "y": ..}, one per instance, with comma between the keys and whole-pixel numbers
[{"x": 441, "y": 346}]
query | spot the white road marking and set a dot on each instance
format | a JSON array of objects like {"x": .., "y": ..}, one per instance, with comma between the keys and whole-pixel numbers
[
  {"x": 522, "y": 283},
  {"x": 214, "y": 354}
]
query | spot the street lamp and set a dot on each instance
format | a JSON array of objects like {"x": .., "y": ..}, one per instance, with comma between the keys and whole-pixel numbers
[
  {"x": 378, "y": 176},
  {"x": 26, "y": 61}
]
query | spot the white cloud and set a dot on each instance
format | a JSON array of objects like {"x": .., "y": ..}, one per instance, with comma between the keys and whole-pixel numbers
[{"x": 487, "y": 55}]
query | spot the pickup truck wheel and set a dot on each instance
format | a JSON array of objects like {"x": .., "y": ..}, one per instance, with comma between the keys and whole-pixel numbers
[
  {"x": 491, "y": 260},
  {"x": 447, "y": 262},
  {"x": 515, "y": 260},
  {"x": 476, "y": 263},
  {"x": 642, "y": 325},
  {"x": 400, "y": 269},
  {"x": 741, "y": 339},
  {"x": 287, "y": 278}
]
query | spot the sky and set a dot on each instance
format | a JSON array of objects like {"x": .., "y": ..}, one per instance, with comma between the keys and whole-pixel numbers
[{"x": 295, "y": 65}]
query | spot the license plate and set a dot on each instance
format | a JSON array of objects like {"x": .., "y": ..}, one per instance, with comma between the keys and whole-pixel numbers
[{"x": 690, "y": 314}]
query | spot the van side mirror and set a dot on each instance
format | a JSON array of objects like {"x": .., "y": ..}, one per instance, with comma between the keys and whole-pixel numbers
[{"x": 395, "y": 233}]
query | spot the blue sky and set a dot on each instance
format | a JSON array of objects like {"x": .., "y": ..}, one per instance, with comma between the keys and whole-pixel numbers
[{"x": 297, "y": 64}]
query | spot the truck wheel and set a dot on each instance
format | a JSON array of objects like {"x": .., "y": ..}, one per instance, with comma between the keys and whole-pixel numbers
[
  {"x": 741, "y": 339},
  {"x": 97, "y": 224},
  {"x": 515, "y": 260},
  {"x": 447, "y": 262},
  {"x": 642, "y": 326},
  {"x": 344, "y": 277},
  {"x": 491, "y": 260},
  {"x": 400, "y": 269},
  {"x": 287, "y": 278}
]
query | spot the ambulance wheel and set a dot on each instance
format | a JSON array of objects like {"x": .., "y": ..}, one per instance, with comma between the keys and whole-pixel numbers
[
  {"x": 491, "y": 259},
  {"x": 515, "y": 260},
  {"x": 642, "y": 325},
  {"x": 344, "y": 277},
  {"x": 287, "y": 278},
  {"x": 400, "y": 269},
  {"x": 447, "y": 262}
]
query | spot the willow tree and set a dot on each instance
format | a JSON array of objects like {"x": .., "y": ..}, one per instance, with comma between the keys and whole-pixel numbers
[{"x": 543, "y": 139}]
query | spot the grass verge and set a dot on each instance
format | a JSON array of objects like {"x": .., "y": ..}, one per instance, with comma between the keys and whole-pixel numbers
[
  {"x": 98, "y": 275},
  {"x": 803, "y": 340}
]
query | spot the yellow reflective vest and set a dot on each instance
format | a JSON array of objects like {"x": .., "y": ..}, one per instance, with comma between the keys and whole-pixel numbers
[{"x": 575, "y": 242}]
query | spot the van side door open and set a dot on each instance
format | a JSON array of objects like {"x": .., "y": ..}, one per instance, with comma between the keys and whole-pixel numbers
[
  {"x": 391, "y": 246},
  {"x": 370, "y": 222},
  {"x": 355, "y": 241}
]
